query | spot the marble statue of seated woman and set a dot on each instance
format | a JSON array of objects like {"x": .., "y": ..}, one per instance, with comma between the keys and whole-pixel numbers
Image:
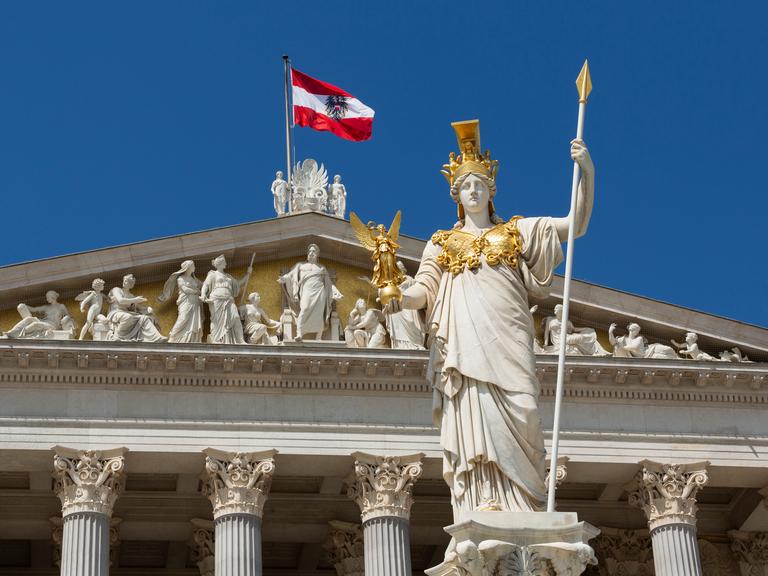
[
  {"x": 129, "y": 318},
  {"x": 52, "y": 320},
  {"x": 256, "y": 322}
]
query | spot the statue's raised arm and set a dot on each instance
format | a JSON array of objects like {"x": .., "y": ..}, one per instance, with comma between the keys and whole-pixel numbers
[{"x": 585, "y": 195}]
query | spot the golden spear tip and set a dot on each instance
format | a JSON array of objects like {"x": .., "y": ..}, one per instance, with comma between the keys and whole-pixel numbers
[{"x": 584, "y": 82}]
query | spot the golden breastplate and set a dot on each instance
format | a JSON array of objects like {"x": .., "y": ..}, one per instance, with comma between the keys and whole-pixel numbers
[{"x": 461, "y": 250}]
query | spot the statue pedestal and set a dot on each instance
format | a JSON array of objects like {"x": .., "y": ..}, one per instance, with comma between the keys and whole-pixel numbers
[
  {"x": 518, "y": 544},
  {"x": 61, "y": 334}
]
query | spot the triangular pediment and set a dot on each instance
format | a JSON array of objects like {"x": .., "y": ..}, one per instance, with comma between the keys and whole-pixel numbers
[{"x": 278, "y": 243}]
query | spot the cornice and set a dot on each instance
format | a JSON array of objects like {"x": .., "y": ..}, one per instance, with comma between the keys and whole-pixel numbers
[{"x": 87, "y": 364}]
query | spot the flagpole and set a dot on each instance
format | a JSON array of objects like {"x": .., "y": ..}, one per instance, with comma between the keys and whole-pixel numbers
[
  {"x": 288, "y": 129},
  {"x": 584, "y": 86}
]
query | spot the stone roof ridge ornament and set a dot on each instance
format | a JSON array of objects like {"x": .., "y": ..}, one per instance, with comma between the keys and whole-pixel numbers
[{"x": 308, "y": 190}]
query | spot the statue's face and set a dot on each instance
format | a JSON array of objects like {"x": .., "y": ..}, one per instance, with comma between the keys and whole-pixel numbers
[
  {"x": 558, "y": 312},
  {"x": 279, "y": 175},
  {"x": 255, "y": 299},
  {"x": 337, "y": 179},
  {"x": 360, "y": 305},
  {"x": 633, "y": 329},
  {"x": 690, "y": 338},
  {"x": 312, "y": 254},
  {"x": 129, "y": 282},
  {"x": 474, "y": 194},
  {"x": 220, "y": 263},
  {"x": 51, "y": 297},
  {"x": 98, "y": 285}
]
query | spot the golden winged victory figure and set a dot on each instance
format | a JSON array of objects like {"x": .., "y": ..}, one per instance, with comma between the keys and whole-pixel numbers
[{"x": 383, "y": 246}]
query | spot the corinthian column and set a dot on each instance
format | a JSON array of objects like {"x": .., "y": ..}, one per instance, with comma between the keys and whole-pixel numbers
[
  {"x": 88, "y": 483},
  {"x": 237, "y": 484},
  {"x": 382, "y": 489},
  {"x": 667, "y": 495}
]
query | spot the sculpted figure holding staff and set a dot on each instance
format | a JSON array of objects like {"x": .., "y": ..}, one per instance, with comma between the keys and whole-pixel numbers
[
  {"x": 474, "y": 281},
  {"x": 219, "y": 290}
]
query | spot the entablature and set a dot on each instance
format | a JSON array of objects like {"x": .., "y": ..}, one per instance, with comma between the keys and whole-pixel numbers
[{"x": 306, "y": 368}]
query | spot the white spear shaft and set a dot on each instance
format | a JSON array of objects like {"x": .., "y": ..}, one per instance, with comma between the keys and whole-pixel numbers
[{"x": 584, "y": 86}]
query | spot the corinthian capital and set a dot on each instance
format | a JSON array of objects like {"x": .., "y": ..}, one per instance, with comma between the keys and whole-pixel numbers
[
  {"x": 238, "y": 482},
  {"x": 383, "y": 484},
  {"x": 88, "y": 480},
  {"x": 750, "y": 549},
  {"x": 667, "y": 492},
  {"x": 203, "y": 548},
  {"x": 345, "y": 548}
]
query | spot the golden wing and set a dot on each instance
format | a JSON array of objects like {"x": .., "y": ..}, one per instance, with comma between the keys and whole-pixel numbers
[
  {"x": 394, "y": 229},
  {"x": 362, "y": 232}
]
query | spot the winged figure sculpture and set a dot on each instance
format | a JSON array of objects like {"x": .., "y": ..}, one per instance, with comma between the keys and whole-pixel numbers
[{"x": 382, "y": 244}]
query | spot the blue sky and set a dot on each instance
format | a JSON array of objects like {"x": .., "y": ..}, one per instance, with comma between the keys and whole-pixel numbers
[{"x": 124, "y": 121}]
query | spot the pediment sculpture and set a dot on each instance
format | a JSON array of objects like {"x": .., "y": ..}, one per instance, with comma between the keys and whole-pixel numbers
[
  {"x": 579, "y": 341},
  {"x": 365, "y": 328},
  {"x": 51, "y": 320}
]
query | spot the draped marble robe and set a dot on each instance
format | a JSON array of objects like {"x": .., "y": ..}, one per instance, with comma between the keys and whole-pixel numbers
[
  {"x": 222, "y": 289},
  {"x": 189, "y": 321},
  {"x": 406, "y": 328},
  {"x": 310, "y": 286},
  {"x": 482, "y": 368}
]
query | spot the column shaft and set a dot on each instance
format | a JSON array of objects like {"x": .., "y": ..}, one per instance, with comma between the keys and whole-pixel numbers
[
  {"x": 85, "y": 545},
  {"x": 387, "y": 546},
  {"x": 676, "y": 550},
  {"x": 238, "y": 545}
]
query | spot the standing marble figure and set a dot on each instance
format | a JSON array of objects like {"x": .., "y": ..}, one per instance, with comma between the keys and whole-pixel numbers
[
  {"x": 309, "y": 288},
  {"x": 474, "y": 282},
  {"x": 189, "y": 322},
  {"x": 219, "y": 291},
  {"x": 280, "y": 193},
  {"x": 91, "y": 302},
  {"x": 337, "y": 197}
]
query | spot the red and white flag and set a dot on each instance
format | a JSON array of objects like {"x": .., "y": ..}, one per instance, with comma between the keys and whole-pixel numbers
[{"x": 325, "y": 107}]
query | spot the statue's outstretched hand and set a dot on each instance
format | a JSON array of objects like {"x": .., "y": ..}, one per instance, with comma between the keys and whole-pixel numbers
[
  {"x": 393, "y": 306},
  {"x": 580, "y": 154}
]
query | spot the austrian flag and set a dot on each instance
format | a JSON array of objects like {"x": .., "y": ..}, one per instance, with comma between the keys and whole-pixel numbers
[{"x": 325, "y": 107}]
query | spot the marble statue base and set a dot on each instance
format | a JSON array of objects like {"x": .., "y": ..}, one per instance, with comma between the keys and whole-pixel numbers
[
  {"x": 518, "y": 544},
  {"x": 61, "y": 334}
]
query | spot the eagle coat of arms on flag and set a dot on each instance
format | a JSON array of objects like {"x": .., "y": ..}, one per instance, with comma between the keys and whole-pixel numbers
[{"x": 325, "y": 107}]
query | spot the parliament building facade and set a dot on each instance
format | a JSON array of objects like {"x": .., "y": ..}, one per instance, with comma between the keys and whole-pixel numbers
[{"x": 119, "y": 455}]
